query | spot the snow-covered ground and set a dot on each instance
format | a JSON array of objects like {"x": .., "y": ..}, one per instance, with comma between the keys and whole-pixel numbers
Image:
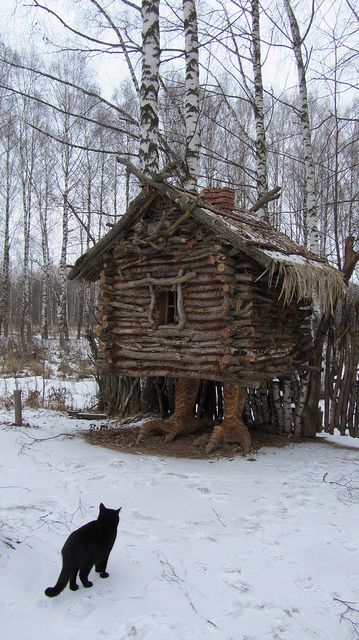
[
  {"x": 256, "y": 548},
  {"x": 74, "y": 393}
]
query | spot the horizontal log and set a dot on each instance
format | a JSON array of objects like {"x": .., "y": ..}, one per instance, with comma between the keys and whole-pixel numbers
[
  {"x": 206, "y": 316},
  {"x": 216, "y": 376},
  {"x": 179, "y": 370},
  {"x": 196, "y": 336},
  {"x": 213, "y": 349},
  {"x": 160, "y": 282},
  {"x": 116, "y": 304},
  {"x": 210, "y": 325},
  {"x": 163, "y": 357},
  {"x": 244, "y": 277},
  {"x": 171, "y": 257},
  {"x": 202, "y": 309}
]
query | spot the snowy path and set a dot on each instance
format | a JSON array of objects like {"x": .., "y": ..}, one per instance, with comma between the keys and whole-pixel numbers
[{"x": 242, "y": 550}]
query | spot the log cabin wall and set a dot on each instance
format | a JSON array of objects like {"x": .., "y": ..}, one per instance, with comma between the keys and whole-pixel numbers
[{"x": 175, "y": 301}]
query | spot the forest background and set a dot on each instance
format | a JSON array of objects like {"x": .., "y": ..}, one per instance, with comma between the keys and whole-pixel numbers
[{"x": 70, "y": 77}]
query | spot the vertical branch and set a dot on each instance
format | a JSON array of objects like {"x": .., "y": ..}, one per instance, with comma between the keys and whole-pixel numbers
[
  {"x": 148, "y": 152},
  {"x": 192, "y": 93}
]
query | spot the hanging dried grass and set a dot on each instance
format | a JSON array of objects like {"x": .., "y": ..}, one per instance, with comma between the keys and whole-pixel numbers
[{"x": 302, "y": 278}]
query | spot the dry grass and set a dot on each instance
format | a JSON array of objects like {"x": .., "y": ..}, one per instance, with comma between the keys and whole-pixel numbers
[
  {"x": 59, "y": 399},
  {"x": 65, "y": 369},
  {"x": 13, "y": 364},
  {"x": 302, "y": 281},
  {"x": 33, "y": 399}
]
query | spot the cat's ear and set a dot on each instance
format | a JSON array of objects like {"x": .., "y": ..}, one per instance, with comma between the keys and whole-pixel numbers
[
  {"x": 102, "y": 507},
  {"x": 118, "y": 510}
]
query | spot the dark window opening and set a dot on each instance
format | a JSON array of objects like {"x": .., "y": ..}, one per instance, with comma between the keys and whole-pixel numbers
[{"x": 167, "y": 307}]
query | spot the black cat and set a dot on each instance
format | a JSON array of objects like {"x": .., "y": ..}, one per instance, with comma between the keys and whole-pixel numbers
[{"x": 87, "y": 546}]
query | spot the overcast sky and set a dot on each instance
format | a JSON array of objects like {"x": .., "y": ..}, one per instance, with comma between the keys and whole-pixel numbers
[{"x": 23, "y": 27}]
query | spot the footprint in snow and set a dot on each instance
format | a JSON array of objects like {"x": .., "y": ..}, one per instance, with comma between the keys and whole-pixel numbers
[
  {"x": 139, "y": 629},
  {"x": 349, "y": 545},
  {"x": 84, "y": 607},
  {"x": 234, "y": 581}
]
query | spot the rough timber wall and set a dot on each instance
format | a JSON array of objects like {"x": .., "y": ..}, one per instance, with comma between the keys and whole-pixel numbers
[{"x": 229, "y": 325}]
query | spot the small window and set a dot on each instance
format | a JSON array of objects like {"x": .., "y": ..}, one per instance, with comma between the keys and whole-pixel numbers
[{"x": 166, "y": 302}]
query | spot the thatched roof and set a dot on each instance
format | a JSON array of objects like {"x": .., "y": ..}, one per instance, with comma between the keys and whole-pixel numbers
[{"x": 302, "y": 273}]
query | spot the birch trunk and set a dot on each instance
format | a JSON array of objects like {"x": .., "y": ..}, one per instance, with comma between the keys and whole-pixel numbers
[
  {"x": 258, "y": 106},
  {"x": 5, "y": 275},
  {"x": 192, "y": 94},
  {"x": 43, "y": 203},
  {"x": 62, "y": 308},
  {"x": 27, "y": 159},
  {"x": 311, "y": 233},
  {"x": 148, "y": 152}
]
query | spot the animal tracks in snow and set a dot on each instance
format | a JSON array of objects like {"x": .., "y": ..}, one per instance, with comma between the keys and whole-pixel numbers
[{"x": 225, "y": 550}]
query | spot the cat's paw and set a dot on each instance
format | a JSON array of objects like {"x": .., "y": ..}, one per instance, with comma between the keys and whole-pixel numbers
[
  {"x": 104, "y": 574},
  {"x": 87, "y": 584},
  {"x": 74, "y": 587}
]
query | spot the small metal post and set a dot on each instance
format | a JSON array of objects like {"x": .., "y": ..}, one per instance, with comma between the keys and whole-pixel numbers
[{"x": 18, "y": 408}]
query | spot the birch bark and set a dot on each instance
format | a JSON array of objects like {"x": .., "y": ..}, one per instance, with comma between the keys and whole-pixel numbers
[
  {"x": 192, "y": 93},
  {"x": 42, "y": 189},
  {"x": 148, "y": 151},
  {"x": 258, "y": 107},
  {"x": 27, "y": 160},
  {"x": 8, "y": 181},
  {"x": 311, "y": 233},
  {"x": 62, "y": 308}
]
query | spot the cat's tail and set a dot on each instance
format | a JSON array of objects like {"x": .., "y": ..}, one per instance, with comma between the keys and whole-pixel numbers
[{"x": 60, "y": 585}]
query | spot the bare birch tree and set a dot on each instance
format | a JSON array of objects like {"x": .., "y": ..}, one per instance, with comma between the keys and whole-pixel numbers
[
  {"x": 8, "y": 183},
  {"x": 192, "y": 93},
  {"x": 311, "y": 231},
  {"x": 27, "y": 148},
  {"x": 258, "y": 107},
  {"x": 148, "y": 151}
]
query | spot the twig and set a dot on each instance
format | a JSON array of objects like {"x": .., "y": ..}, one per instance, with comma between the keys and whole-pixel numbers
[
  {"x": 170, "y": 575},
  {"x": 345, "y": 615},
  {"x": 34, "y": 440},
  {"x": 221, "y": 521}
]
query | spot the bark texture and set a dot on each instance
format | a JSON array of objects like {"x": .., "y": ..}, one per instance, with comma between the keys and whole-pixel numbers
[
  {"x": 148, "y": 152},
  {"x": 192, "y": 93},
  {"x": 258, "y": 106},
  {"x": 311, "y": 223}
]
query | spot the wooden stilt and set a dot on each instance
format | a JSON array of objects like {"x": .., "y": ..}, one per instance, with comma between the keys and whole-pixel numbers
[
  {"x": 232, "y": 428},
  {"x": 182, "y": 421}
]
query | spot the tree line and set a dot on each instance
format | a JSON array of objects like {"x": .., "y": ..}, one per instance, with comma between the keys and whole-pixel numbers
[{"x": 251, "y": 95}]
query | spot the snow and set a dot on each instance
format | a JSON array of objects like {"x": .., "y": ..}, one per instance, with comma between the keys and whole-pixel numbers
[
  {"x": 76, "y": 394},
  {"x": 263, "y": 547},
  {"x": 292, "y": 258}
]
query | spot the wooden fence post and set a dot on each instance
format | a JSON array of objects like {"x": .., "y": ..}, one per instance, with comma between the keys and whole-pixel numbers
[{"x": 18, "y": 407}]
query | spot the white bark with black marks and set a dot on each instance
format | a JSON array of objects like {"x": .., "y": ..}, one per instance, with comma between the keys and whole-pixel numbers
[
  {"x": 62, "y": 308},
  {"x": 148, "y": 152},
  {"x": 258, "y": 106},
  {"x": 311, "y": 233},
  {"x": 27, "y": 163},
  {"x": 192, "y": 93},
  {"x": 5, "y": 270}
]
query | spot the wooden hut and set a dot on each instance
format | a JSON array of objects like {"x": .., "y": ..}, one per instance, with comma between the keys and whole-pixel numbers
[{"x": 192, "y": 288}]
